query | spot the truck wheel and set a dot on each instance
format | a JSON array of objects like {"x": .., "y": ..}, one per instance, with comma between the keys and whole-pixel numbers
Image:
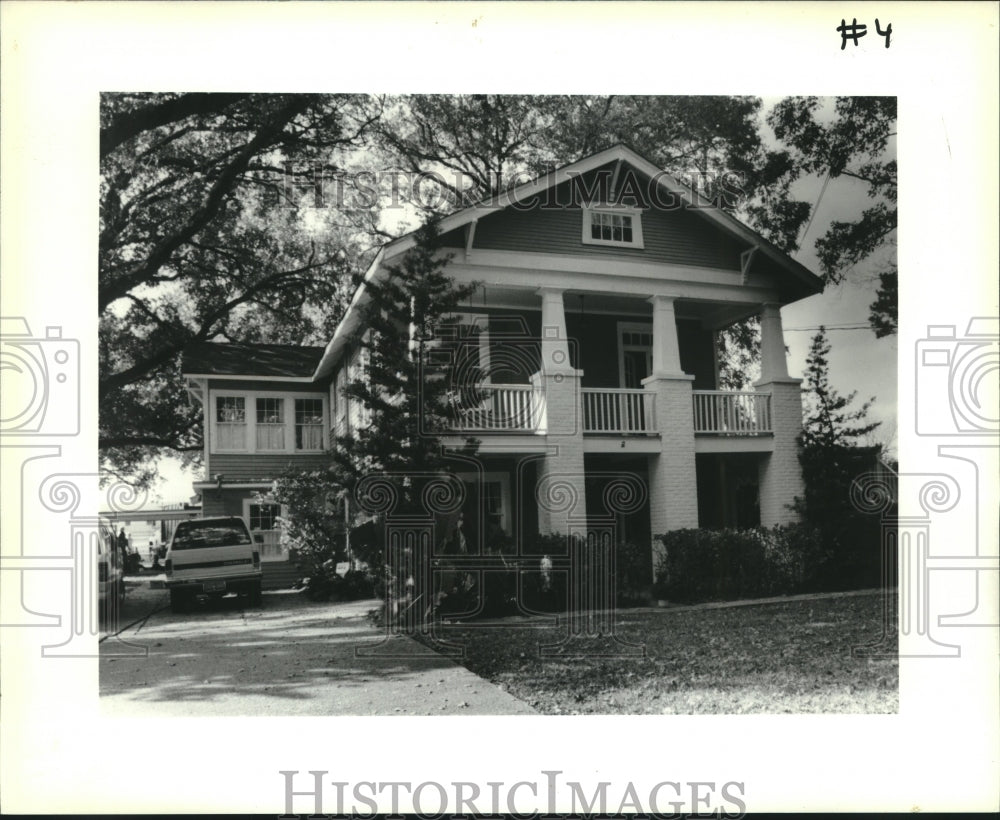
[{"x": 256, "y": 599}]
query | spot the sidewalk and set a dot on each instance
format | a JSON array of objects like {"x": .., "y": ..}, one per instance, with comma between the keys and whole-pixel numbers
[{"x": 294, "y": 657}]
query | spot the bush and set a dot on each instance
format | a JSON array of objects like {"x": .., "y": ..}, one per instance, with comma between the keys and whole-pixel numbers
[
  {"x": 724, "y": 565},
  {"x": 326, "y": 584},
  {"x": 632, "y": 572}
]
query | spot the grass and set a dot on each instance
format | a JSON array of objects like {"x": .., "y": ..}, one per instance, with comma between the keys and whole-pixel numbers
[{"x": 787, "y": 657}]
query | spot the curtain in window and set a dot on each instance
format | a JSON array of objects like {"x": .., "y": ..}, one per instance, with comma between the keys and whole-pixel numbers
[
  {"x": 308, "y": 424},
  {"x": 230, "y": 422},
  {"x": 270, "y": 424}
]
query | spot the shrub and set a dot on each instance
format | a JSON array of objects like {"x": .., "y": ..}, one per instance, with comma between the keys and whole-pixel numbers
[
  {"x": 632, "y": 572},
  {"x": 725, "y": 565},
  {"x": 798, "y": 558},
  {"x": 326, "y": 584}
]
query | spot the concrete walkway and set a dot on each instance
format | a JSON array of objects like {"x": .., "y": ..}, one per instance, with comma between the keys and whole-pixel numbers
[{"x": 293, "y": 657}]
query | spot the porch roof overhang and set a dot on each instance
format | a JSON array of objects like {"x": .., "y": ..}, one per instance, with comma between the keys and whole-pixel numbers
[{"x": 805, "y": 279}]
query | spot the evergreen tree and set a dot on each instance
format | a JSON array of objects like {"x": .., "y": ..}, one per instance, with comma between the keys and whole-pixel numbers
[
  {"x": 408, "y": 388},
  {"x": 833, "y": 455},
  {"x": 829, "y": 422}
]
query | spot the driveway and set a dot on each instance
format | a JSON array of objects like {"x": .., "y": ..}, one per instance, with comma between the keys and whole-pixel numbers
[{"x": 291, "y": 657}]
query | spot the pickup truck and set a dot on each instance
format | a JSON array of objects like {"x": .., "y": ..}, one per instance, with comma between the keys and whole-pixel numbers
[{"x": 214, "y": 557}]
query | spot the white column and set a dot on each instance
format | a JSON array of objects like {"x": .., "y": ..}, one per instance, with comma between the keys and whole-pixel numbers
[
  {"x": 560, "y": 490},
  {"x": 666, "y": 348},
  {"x": 772, "y": 345},
  {"x": 779, "y": 472},
  {"x": 673, "y": 494},
  {"x": 555, "y": 345}
]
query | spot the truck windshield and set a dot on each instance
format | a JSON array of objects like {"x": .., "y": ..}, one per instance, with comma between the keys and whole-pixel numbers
[{"x": 198, "y": 534}]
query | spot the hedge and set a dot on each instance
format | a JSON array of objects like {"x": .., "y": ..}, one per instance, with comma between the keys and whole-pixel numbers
[{"x": 723, "y": 565}]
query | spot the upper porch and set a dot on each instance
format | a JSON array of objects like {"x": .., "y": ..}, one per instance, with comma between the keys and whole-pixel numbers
[{"x": 610, "y": 349}]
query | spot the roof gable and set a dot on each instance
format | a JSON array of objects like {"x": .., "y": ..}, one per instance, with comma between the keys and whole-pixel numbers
[{"x": 669, "y": 193}]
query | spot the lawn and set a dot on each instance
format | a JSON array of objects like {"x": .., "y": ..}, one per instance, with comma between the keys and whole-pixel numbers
[{"x": 787, "y": 657}]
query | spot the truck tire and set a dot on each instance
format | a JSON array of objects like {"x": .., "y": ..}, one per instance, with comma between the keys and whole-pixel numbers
[{"x": 256, "y": 599}]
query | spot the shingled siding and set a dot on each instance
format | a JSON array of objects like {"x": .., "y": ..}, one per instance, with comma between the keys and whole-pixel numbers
[
  {"x": 673, "y": 237},
  {"x": 238, "y": 467}
]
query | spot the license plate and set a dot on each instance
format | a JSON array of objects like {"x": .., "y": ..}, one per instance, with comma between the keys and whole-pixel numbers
[{"x": 215, "y": 586}]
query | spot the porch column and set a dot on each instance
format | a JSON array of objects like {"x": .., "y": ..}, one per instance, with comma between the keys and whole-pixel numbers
[
  {"x": 779, "y": 473},
  {"x": 666, "y": 348},
  {"x": 559, "y": 492},
  {"x": 673, "y": 489},
  {"x": 772, "y": 345}
]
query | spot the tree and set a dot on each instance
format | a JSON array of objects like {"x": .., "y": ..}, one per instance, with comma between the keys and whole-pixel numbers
[
  {"x": 407, "y": 390},
  {"x": 855, "y": 144},
  {"x": 833, "y": 455},
  {"x": 469, "y": 147},
  {"x": 829, "y": 422},
  {"x": 202, "y": 237}
]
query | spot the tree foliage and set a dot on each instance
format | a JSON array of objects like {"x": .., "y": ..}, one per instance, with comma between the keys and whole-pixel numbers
[
  {"x": 833, "y": 454},
  {"x": 408, "y": 389},
  {"x": 409, "y": 382},
  {"x": 855, "y": 144},
  {"x": 829, "y": 421},
  {"x": 202, "y": 237}
]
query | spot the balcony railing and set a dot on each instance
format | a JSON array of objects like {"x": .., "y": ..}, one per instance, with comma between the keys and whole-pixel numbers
[
  {"x": 519, "y": 408},
  {"x": 618, "y": 411},
  {"x": 498, "y": 407},
  {"x": 727, "y": 412}
]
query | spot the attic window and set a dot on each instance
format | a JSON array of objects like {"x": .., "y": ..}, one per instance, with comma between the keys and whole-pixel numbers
[{"x": 615, "y": 226}]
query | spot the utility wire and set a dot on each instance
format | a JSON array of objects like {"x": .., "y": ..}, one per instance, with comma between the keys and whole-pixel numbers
[
  {"x": 812, "y": 214},
  {"x": 827, "y": 327}
]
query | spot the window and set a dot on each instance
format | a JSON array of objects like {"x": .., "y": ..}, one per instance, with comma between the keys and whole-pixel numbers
[
  {"x": 231, "y": 422},
  {"x": 270, "y": 424},
  {"x": 341, "y": 402},
  {"x": 619, "y": 227},
  {"x": 257, "y": 421},
  {"x": 264, "y": 516},
  {"x": 308, "y": 424},
  {"x": 359, "y": 416},
  {"x": 213, "y": 532}
]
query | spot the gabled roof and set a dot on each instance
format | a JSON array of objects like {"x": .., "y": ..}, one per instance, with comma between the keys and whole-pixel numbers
[
  {"x": 521, "y": 193},
  {"x": 221, "y": 359}
]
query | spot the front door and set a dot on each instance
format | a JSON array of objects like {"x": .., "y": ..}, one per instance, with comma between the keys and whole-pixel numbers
[
  {"x": 262, "y": 518},
  {"x": 635, "y": 347},
  {"x": 637, "y": 365}
]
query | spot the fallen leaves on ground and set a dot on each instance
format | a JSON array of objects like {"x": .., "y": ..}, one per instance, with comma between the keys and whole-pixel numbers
[{"x": 788, "y": 657}]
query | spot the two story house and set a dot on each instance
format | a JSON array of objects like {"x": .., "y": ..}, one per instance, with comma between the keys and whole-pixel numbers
[{"x": 601, "y": 288}]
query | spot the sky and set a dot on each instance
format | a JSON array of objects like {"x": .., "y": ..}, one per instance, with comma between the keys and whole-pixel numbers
[{"x": 858, "y": 361}]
